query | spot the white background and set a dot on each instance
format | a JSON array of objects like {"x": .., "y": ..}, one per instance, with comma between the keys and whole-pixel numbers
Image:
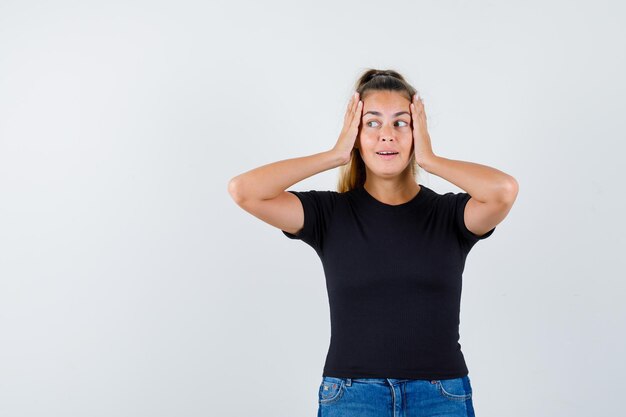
[{"x": 132, "y": 285}]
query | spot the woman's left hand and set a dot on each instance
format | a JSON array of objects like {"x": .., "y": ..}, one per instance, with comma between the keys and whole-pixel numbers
[{"x": 421, "y": 139}]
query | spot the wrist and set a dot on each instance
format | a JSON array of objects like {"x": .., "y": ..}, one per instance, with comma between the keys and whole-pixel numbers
[
  {"x": 339, "y": 157},
  {"x": 427, "y": 162}
]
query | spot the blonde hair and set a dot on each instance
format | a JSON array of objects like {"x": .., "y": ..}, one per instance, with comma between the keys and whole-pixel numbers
[{"x": 352, "y": 175}]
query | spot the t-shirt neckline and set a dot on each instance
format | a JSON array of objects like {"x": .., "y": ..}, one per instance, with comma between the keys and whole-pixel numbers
[{"x": 401, "y": 206}]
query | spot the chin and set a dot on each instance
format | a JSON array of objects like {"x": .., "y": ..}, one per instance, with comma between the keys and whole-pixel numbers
[{"x": 389, "y": 173}]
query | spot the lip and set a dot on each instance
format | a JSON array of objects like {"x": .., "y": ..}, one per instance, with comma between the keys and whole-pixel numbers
[{"x": 387, "y": 157}]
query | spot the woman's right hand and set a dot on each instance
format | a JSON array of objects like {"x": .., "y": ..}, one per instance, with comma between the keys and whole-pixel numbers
[{"x": 350, "y": 130}]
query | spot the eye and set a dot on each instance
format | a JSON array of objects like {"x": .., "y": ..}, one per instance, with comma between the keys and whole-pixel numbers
[{"x": 399, "y": 121}]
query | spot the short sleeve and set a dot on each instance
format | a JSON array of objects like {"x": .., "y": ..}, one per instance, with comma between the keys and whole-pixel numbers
[
  {"x": 318, "y": 207},
  {"x": 457, "y": 202}
]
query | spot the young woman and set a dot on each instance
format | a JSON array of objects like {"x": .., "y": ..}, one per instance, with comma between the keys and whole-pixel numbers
[{"x": 393, "y": 252}]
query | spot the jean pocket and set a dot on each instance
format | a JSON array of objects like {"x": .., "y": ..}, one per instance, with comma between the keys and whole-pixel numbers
[
  {"x": 331, "y": 389},
  {"x": 456, "y": 389}
]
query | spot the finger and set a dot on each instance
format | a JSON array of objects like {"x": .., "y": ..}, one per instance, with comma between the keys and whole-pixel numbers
[
  {"x": 355, "y": 101},
  {"x": 419, "y": 102},
  {"x": 418, "y": 106},
  {"x": 349, "y": 106},
  {"x": 357, "y": 114},
  {"x": 351, "y": 101},
  {"x": 352, "y": 106}
]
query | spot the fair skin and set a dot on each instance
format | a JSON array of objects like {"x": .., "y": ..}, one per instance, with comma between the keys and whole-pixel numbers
[
  {"x": 492, "y": 191},
  {"x": 386, "y": 125},
  {"x": 261, "y": 191}
]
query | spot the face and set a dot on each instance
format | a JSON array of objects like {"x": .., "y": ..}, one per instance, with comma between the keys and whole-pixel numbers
[{"x": 385, "y": 125}]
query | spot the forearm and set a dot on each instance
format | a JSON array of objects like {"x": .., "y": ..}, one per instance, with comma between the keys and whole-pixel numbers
[
  {"x": 268, "y": 181},
  {"x": 482, "y": 182}
]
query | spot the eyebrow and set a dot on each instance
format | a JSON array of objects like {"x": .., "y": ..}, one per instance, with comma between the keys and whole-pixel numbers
[{"x": 376, "y": 113}]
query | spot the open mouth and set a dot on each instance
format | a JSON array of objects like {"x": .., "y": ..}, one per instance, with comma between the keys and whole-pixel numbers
[{"x": 387, "y": 155}]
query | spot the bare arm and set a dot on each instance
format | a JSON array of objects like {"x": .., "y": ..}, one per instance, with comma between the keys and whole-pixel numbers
[
  {"x": 492, "y": 191},
  {"x": 269, "y": 181},
  {"x": 261, "y": 191}
]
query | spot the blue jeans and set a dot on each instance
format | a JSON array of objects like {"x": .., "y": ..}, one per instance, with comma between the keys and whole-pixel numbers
[{"x": 386, "y": 397}]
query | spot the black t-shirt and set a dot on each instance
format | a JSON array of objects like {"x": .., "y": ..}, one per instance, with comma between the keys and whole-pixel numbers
[{"x": 393, "y": 276}]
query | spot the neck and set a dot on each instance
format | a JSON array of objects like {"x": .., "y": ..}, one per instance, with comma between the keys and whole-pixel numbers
[{"x": 392, "y": 191}]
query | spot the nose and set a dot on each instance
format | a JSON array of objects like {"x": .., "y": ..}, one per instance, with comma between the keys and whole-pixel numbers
[{"x": 386, "y": 134}]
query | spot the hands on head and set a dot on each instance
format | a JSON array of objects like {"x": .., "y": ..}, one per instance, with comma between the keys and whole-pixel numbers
[
  {"x": 350, "y": 130},
  {"x": 351, "y": 123},
  {"x": 421, "y": 139}
]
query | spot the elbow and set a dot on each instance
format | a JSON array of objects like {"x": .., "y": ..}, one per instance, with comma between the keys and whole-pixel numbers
[
  {"x": 512, "y": 189},
  {"x": 234, "y": 189}
]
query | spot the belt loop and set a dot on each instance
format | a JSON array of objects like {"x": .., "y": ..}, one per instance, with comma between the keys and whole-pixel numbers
[{"x": 348, "y": 382}]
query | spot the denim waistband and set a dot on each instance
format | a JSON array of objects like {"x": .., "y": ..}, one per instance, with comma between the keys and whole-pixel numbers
[{"x": 379, "y": 381}]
